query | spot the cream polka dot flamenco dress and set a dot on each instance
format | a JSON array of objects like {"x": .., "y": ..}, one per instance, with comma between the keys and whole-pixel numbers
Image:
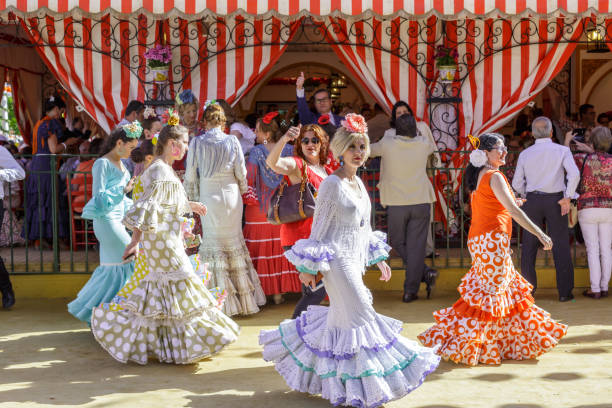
[{"x": 170, "y": 315}]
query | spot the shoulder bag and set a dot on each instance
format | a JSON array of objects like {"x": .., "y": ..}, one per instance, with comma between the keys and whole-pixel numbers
[{"x": 291, "y": 203}]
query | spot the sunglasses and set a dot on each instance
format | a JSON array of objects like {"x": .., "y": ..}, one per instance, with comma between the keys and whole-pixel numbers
[{"x": 314, "y": 141}]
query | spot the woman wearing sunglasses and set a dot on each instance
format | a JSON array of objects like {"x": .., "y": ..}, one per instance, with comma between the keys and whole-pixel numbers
[{"x": 310, "y": 150}]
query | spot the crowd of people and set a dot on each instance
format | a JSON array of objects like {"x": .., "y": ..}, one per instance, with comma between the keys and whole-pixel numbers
[{"x": 199, "y": 220}]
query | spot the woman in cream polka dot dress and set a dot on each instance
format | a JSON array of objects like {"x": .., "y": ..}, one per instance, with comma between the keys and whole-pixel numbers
[{"x": 170, "y": 315}]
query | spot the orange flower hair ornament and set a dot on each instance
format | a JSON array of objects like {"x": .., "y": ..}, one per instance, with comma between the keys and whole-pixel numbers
[{"x": 474, "y": 141}]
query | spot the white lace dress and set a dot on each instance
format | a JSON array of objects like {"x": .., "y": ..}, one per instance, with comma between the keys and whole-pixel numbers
[
  {"x": 347, "y": 353},
  {"x": 216, "y": 176}
]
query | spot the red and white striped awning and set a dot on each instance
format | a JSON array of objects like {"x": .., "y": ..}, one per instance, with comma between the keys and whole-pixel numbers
[{"x": 294, "y": 9}]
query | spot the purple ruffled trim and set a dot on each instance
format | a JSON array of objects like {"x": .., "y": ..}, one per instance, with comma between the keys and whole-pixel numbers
[
  {"x": 330, "y": 353},
  {"x": 379, "y": 245},
  {"x": 324, "y": 257}
]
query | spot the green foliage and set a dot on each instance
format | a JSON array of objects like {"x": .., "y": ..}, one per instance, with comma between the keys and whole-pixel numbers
[{"x": 12, "y": 120}]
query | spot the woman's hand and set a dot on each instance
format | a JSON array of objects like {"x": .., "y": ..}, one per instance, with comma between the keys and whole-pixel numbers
[
  {"x": 546, "y": 241},
  {"x": 198, "y": 208},
  {"x": 129, "y": 186},
  {"x": 385, "y": 271},
  {"x": 583, "y": 147},
  {"x": 308, "y": 280},
  {"x": 292, "y": 133},
  {"x": 131, "y": 250}
]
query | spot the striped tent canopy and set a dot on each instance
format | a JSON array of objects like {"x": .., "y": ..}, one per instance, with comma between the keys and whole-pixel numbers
[{"x": 295, "y": 9}]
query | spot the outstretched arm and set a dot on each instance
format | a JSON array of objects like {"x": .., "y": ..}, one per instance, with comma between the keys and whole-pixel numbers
[{"x": 506, "y": 198}]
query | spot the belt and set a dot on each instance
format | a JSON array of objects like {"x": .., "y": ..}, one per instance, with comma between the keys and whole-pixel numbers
[{"x": 545, "y": 194}]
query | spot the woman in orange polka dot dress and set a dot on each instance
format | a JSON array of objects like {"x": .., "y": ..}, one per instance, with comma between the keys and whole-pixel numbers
[{"x": 496, "y": 318}]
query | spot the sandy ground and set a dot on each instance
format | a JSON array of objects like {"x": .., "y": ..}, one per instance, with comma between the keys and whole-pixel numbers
[{"x": 48, "y": 359}]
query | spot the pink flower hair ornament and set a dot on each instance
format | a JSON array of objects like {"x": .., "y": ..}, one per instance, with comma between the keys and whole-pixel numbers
[{"x": 355, "y": 123}]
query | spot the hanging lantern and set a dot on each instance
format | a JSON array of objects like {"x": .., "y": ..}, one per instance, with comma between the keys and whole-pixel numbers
[{"x": 595, "y": 41}]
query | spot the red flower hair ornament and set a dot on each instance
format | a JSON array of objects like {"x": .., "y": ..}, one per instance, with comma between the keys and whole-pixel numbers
[
  {"x": 267, "y": 119},
  {"x": 355, "y": 123},
  {"x": 323, "y": 120}
]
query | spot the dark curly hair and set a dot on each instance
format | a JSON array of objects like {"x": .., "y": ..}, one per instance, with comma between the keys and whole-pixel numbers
[{"x": 487, "y": 143}]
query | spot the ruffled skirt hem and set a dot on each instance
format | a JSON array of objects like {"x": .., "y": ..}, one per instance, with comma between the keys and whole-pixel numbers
[
  {"x": 371, "y": 371},
  {"x": 103, "y": 285},
  {"x": 232, "y": 271}
]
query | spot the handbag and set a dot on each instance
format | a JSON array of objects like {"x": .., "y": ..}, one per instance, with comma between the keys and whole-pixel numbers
[
  {"x": 572, "y": 216},
  {"x": 291, "y": 203}
]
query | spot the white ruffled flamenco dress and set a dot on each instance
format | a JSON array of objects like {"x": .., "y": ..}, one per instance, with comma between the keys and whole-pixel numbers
[{"x": 346, "y": 352}]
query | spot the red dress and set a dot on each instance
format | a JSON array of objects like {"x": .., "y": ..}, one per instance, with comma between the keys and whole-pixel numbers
[{"x": 276, "y": 274}]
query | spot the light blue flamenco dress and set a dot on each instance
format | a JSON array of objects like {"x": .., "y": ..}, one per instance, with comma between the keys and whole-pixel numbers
[{"x": 106, "y": 208}]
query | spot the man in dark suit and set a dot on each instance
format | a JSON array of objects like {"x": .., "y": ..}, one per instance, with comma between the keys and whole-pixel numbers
[{"x": 322, "y": 103}]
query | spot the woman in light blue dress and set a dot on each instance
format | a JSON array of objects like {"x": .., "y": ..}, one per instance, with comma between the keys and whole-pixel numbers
[{"x": 111, "y": 181}]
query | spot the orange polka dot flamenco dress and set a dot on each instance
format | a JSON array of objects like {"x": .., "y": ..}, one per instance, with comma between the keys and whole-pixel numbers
[{"x": 496, "y": 318}]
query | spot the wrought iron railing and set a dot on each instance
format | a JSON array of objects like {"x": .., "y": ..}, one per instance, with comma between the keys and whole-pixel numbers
[{"x": 69, "y": 254}]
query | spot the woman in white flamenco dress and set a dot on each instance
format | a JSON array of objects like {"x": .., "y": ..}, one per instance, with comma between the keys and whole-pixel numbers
[{"x": 346, "y": 352}]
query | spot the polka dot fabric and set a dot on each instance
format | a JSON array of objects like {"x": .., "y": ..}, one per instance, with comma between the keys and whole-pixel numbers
[
  {"x": 168, "y": 313},
  {"x": 495, "y": 319}
]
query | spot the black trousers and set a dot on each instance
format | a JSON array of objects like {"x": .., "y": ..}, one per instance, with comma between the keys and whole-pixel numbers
[
  {"x": 5, "y": 281},
  {"x": 308, "y": 297},
  {"x": 543, "y": 208},
  {"x": 408, "y": 226}
]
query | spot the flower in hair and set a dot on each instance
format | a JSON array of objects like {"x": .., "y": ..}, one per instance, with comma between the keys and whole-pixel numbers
[
  {"x": 153, "y": 138},
  {"x": 133, "y": 130},
  {"x": 323, "y": 120},
  {"x": 474, "y": 141},
  {"x": 186, "y": 96},
  {"x": 355, "y": 123},
  {"x": 478, "y": 158},
  {"x": 171, "y": 117},
  {"x": 149, "y": 113},
  {"x": 210, "y": 102},
  {"x": 267, "y": 119}
]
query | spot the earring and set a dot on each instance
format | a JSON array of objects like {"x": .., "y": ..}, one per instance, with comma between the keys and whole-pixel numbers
[
  {"x": 265, "y": 141},
  {"x": 341, "y": 161}
]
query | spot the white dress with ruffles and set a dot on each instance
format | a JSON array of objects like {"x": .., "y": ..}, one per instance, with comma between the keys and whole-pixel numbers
[
  {"x": 216, "y": 176},
  {"x": 346, "y": 352}
]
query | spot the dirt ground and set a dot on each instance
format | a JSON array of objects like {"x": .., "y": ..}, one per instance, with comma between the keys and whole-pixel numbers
[{"x": 49, "y": 359}]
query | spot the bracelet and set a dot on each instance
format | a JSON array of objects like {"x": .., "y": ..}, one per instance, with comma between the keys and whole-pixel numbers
[{"x": 64, "y": 144}]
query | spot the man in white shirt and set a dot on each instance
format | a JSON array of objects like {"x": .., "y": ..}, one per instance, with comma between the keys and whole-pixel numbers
[
  {"x": 10, "y": 171},
  {"x": 540, "y": 176}
]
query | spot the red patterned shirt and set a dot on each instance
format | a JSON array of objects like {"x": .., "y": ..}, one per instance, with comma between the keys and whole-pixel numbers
[{"x": 595, "y": 189}]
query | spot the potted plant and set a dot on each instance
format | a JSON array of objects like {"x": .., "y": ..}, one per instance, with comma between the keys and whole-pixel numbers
[
  {"x": 446, "y": 61},
  {"x": 158, "y": 60}
]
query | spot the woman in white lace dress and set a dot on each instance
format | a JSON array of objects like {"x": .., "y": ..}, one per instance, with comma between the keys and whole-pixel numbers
[
  {"x": 216, "y": 176},
  {"x": 347, "y": 353}
]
